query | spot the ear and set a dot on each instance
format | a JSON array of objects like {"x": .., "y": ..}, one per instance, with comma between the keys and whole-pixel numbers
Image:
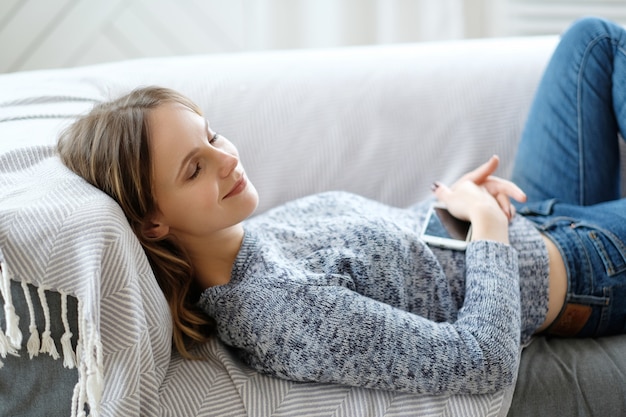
[{"x": 154, "y": 228}]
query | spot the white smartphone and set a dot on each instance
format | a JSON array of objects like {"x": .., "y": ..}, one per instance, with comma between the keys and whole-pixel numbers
[{"x": 444, "y": 230}]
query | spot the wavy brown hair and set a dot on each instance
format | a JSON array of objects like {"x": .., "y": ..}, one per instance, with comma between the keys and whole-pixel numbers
[{"x": 109, "y": 148}]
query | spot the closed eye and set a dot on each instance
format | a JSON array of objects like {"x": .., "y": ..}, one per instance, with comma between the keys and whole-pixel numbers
[
  {"x": 198, "y": 168},
  {"x": 196, "y": 171}
]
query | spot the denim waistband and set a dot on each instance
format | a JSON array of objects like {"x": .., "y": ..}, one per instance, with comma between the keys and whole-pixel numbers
[{"x": 595, "y": 261}]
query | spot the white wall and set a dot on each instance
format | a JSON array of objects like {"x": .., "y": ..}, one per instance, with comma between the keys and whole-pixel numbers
[
  {"x": 530, "y": 17},
  {"x": 60, "y": 33}
]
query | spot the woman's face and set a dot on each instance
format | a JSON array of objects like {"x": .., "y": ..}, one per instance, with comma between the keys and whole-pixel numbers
[{"x": 199, "y": 183}]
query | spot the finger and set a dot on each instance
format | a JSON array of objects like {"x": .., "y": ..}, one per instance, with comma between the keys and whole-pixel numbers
[
  {"x": 505, "y": 204},
  {"x": 440, "y": 190},
  {"x": 480, "y": 174},
  {"x": 496, "y": 185}
]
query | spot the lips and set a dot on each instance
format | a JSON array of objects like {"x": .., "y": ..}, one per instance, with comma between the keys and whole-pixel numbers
[{"x": 239, "y": 186}]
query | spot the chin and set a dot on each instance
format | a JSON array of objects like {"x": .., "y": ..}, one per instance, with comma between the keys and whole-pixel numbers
[{"x": 252, "y": 199}]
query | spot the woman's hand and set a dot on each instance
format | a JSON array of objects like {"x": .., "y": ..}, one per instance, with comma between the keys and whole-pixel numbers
[
  {"x": 467, "y": 200},
  {"x": 482, "y": 199},
  {"x": 501, "y": 189}
]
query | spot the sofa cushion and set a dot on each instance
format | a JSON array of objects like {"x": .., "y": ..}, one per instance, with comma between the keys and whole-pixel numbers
[
  {"x": 571, "y": 377},
  {"x": 39, "y": 386}
]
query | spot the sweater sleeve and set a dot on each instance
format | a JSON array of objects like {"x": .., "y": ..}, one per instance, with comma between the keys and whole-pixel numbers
[{"x": 332, "y": 334}]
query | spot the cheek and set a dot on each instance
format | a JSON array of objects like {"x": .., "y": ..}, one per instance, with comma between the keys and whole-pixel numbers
[
  {"x": 201, "y": 197},
  {"x": 189, "y": 203},
  {"x": 178, "y": 206}
]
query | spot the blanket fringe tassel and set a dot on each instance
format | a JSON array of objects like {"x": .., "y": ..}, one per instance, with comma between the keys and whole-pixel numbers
[{"x": 87, "y": 358}]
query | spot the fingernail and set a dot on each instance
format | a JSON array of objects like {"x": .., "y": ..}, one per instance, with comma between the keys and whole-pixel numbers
[{"x": 434, "y": 186}]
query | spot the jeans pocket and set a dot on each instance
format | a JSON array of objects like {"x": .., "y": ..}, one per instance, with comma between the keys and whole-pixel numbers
[{"x": 610, "y": 249}]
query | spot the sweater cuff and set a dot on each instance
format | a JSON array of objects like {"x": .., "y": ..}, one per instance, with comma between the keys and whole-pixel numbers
[
  {"x": 492, "y": 273},
  {"x": 492, "y": 255}
]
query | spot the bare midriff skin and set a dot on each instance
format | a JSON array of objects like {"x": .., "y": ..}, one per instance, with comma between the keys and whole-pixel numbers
[{"x": 557, "y": 287}]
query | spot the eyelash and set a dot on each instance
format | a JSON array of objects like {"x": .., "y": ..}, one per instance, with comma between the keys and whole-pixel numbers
[{"x": 196, "y": 172}]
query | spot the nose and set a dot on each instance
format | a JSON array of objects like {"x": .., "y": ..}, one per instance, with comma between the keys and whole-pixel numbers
[{"x": 227, "y": 163}]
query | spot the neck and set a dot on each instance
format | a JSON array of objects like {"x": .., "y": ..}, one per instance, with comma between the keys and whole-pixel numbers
[{"x": 213, "y": 259}]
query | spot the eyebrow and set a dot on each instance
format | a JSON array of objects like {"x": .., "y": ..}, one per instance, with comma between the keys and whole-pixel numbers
[{"x": 190, "y": 154}]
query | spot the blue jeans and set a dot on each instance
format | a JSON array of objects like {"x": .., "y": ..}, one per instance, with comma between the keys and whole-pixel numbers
[{"x": 568, "y": 164}]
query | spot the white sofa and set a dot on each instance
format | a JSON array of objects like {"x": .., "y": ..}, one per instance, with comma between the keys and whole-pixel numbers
[{"x": 384, "y": 122}]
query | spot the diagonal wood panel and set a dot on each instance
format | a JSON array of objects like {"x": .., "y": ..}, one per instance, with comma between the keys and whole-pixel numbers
[
  {"x": 26, "y": 28},
  {"x": 80, "y": 22},
  {"x": 190, "y": 28},
  {"x": 7, "y": 9},
  {"x": 60, "y": 33}
]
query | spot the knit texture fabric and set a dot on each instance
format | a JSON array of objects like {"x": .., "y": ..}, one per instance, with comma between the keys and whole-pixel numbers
[{"x": 338, "y": 288}]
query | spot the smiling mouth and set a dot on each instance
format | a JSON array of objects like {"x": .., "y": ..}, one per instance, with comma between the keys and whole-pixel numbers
[{"x": 239, "y": 186}]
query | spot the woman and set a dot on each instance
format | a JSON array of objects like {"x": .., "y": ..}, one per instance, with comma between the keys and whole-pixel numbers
[{"x": 337, "y": 288}]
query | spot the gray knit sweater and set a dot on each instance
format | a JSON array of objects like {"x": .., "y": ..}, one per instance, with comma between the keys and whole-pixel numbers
[{"x": 337, "y": 288}]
